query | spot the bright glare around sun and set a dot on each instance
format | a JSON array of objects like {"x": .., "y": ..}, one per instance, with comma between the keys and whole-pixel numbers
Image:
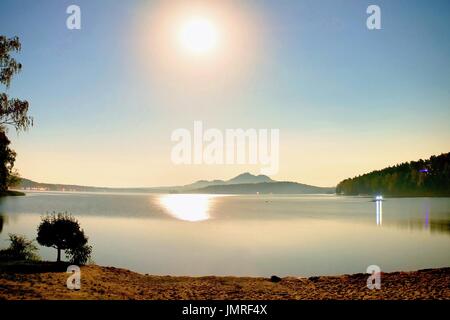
[{"x": 198, "y": 36}]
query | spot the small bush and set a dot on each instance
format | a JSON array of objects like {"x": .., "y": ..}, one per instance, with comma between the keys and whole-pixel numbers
[
  {"x": 20, "y": 248},
  {"x": 79, "y": 255}
]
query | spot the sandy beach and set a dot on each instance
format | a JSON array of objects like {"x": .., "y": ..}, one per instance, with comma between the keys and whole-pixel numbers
[{"x": 45, "y": 282}]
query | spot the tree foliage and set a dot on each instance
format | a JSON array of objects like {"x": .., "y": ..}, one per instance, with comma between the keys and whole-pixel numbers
[
  {"x": 417, "y": 178},
  {"x": 13, "y": 112},
  {"x": 9, "y": 65},
  {"x": 7, "y": 159},
  {"x": 62, "y": 232}
]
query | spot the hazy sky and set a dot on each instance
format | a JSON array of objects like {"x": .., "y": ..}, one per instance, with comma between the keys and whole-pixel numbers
[{"x": 347, "y": 100}]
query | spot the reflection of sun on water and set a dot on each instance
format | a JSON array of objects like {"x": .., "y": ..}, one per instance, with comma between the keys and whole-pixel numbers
[
  {"x": 379, "y": 211},
  {"x": 187, "y": 207}
]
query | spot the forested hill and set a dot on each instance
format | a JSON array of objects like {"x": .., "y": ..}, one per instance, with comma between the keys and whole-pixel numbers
[{"x": 416, "y": 178}]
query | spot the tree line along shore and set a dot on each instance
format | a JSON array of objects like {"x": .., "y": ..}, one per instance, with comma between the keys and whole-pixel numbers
[{"x": 422, "y": 178}]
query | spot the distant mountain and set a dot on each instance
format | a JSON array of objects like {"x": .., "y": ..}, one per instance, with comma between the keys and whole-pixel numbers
[
  {"x": 242, "y": 178},
  {"x": 201, "y": 184},
  {"x": 283, "y": 187},
  {"x": 429, "y": 177},
  {"x": 249, "y": 178},
  {"x": 244, "y": 183}
]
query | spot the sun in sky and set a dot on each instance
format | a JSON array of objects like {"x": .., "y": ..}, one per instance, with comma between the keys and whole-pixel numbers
[
  {"x": 189, "y": 52},
  {"x": 174, "y": 35},
  {"x": 198, "y": 35}
]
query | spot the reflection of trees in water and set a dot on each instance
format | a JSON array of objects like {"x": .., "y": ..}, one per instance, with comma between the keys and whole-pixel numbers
[
  {"x": 1, "y": 222},
  {"x": 438, "y": 226}
]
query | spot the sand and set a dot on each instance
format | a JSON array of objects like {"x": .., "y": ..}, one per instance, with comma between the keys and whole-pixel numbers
[{"x": 113, "y": 283}]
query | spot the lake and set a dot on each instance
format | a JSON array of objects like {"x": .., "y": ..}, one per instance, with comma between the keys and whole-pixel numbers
[{"x": 245, "y": 235}]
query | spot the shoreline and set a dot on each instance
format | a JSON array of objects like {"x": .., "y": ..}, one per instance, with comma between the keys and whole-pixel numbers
[
  {"x": 47, "y": 281},
  {"x": 12, "y": 193},
  {"x": 23, "y": 192}
]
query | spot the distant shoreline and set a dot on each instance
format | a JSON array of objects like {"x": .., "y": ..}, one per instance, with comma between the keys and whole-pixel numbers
[
  {"x": 105, "y": 283},
  {"x": 22, "y": 192},
  {"x": 395, "y": 196}
]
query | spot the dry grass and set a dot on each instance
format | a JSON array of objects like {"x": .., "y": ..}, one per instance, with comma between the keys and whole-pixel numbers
[{"x": 112, "y": 283}]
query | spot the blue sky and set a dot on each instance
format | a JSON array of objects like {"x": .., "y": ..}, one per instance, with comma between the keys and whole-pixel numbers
[{"x": 346, "y": 99}]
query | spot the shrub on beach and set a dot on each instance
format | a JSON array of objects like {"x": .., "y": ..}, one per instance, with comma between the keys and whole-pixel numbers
[
  {"x": 20, "y": 248},
  {"x": 79, "y": 255}
]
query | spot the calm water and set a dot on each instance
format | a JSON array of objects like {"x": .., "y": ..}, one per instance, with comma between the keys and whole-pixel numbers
[{"x": 245, "y": 235}]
